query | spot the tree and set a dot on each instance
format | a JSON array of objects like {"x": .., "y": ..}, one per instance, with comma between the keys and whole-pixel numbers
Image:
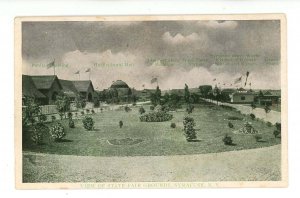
[
  {"x": 62, "y": 104},
  {"x": 30, "y": 111},
  {"x": 187, "y": 94},
  {"x": 156, "y": 96},
  {"x": 189, "y": 131},
  {"x": 166, "y": 98},
  {"x": 217, "y": 94},
  {"x": 174, "y": 100},
  {"x": 205, "y": 90}
]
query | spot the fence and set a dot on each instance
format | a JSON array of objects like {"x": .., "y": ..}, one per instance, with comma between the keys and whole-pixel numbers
[{"x": 48, "y": 109}]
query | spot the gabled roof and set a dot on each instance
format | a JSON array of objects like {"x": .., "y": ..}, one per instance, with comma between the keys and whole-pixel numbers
[
  {"x": 29, "y": 88},
  {"x": 83, "y": 85},
  {"x": 68, "y": 88},
  {"x": 45, "y": 82}
]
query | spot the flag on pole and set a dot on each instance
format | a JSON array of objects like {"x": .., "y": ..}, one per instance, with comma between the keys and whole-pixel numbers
[
  {"x": 238, "y": 80},
  {"x": 78, "y": 72},
  {"x": 153, "y": 80},
  {"x": 247, "y": 74},
  {"x": 51, "y": 64},
  {"x": 88, "y": 70}
]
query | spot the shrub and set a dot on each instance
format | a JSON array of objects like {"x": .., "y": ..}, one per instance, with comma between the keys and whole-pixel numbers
[
  {"x": 61, "y": 115},
  {"x": 42, "y": 118},
  {"x": 173, "y": 125},
  {"x": 189, "y": 131},
  {"x": 76, "y": 114},
  {"x": 253, "y": 106},
  {"x": 190, "y": 108},
  {"x": 252, "y": 116},
  {"x": 53, "y": 118},
  {"x": 127, "y": 109},
  {"x": 71, "y": 123},
  {"x": 57, "y": 132},
  {"x": 234, "y": 118},
  {"x": 87, "y": 111},
  {"x": 227, "y": 140},
  {"x": 37, "y": 133},
  {"x": 267, "y": 108},
  {"x": 96, "y": 103},
  {"x": 258, "y": 138},
  {"x": 142, "y": 110},
  {"x": 152, "y": 107},
  {"x": 269, "y": 124},
  {"x": 120, "y": 123},
  {"x": 82, "y": 112},
  {"x": 93, "y": 111},
  {"x": 230, "y": 125},
  {"x": 277, "y": 131},
  {"x": 70, "y": 115},
  {"x": 156, "y": 117},
  {"x": 88, "y": 123}
]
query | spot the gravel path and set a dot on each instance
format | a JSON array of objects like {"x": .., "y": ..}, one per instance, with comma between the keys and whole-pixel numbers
[{"x": 261, "y": 164}]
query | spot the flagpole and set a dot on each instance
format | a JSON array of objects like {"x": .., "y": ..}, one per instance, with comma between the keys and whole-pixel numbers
[{"x": 54, "y": 66}]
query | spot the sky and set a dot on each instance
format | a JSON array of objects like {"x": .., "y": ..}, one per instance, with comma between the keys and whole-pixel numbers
[{"x": 174, "y": 52}]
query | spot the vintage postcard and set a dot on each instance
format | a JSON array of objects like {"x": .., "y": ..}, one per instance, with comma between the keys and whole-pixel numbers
[{"x": 184, "y": 101}]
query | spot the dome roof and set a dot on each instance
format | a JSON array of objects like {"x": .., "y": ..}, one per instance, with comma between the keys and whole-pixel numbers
[{"x": 119, "y": 84}]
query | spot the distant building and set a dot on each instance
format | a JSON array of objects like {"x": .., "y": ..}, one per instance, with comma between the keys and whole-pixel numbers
[
  {"x": 69, "y": 89},
  {"x": 86, "y": 89},
  {"x": 29, "y": 90},
  {"x": 242, "y": 96},
  {"x": 49, "y": 86},
  {"x": 121, "y": 90},
  {"x": 269, "y": 97}
]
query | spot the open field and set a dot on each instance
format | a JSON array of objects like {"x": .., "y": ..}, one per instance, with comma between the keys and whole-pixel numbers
[
  {"x": 158, "y": 138},
  {"x": 262, "y": 164}
]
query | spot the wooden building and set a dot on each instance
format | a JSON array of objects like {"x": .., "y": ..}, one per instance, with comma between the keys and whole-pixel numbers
[{"x": 49, "y": 86}]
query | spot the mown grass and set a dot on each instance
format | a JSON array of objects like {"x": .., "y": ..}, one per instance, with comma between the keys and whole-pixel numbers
[{"x": 158, "y": 137}]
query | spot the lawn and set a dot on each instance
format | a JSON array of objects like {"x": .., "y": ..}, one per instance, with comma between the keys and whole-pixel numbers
[{"x": 156, "y": 138}]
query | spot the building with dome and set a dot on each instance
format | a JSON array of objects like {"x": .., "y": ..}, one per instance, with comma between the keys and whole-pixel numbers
[{"x": 120, "y": 91}]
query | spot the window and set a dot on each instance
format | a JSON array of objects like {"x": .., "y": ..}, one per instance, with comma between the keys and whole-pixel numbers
[{"x": 243, "y": 98}]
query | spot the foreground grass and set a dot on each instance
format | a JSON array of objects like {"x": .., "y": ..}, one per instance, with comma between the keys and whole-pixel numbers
[{"x": 157, "y": 138}]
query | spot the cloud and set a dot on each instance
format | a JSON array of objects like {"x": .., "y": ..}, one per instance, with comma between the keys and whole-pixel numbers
[
  {"x": 179, "y": 38},
  {"x": 218, "y": 24},
  {"x": 107, "y": 57}
]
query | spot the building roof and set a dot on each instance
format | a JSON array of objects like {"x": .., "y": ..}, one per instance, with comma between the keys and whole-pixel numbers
[
  {"x": 228, "y": 90},
  {"x": 29, "y": 88},
  {"x": 68, "y": 88},
  {"x": 272, "y": 93},
  {"x": 83, "y": 85},
  {"x": 45, "y": 82},
  {"x": 119, "y": 84}
]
